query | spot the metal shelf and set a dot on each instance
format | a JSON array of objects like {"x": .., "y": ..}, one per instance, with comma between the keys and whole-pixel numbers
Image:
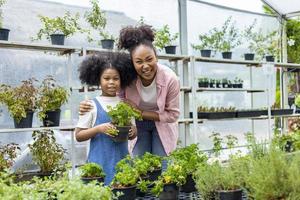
[
  {"x": 228, "y": 90},
  {"x": 229, "y": 61},
  {"x": 61, "y": 128},
  {"x": 38, "y": 47}
]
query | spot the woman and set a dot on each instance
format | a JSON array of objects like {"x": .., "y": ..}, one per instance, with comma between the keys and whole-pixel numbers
[{"x": 155, "y": 93}]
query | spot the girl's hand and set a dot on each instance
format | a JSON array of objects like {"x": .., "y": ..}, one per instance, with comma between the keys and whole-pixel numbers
[
  {"x": 107, "y": 128},
  {"x": 132, "y": 133},
  {"x": 85, "y": 106}
]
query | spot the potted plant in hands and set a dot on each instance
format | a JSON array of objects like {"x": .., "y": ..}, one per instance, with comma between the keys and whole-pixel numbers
[
  {"x": 46, "y": 152},
  {"x": 164, "y": 39},
  {"x": 121, "y": 116},
  {"x": 21, "y": 102},
  {"x": 91, "y": 172},
  {"x": 189, "y": 157},
  {"x": 125, "y": 181},
  {"x": 52, "y": 97},
  {"x": 4, "y": 33},
  {"x": 166, "y": 187},
  {"x": 56, "y": 29}
]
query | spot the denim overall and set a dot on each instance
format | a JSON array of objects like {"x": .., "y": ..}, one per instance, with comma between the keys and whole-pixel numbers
[{"x": 103, "y": 150}]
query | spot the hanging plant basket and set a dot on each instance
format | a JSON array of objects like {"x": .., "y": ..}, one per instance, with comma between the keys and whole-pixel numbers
[{"x": 4, "y": 33}]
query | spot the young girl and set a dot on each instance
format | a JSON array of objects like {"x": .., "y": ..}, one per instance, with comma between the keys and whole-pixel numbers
[{"x": 108, "y": 71}]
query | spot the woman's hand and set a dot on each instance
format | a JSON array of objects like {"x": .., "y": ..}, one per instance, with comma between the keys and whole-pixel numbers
[
  {"x": 85, "y": 106},
  {"x": 132, "y": 133}
]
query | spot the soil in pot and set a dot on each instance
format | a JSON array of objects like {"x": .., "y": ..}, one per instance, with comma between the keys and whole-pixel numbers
[
  {"x": 129, "y": 193},
  {"x": 25, "y": 122},
  {"x": 170, "y": 192}
]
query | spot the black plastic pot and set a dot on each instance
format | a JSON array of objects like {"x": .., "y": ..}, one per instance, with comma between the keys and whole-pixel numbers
[
  {"x": 218, "y": 85},
  {"x": 86, "y": 180},
  {"x": 203, "y": 84},
  {"x": 282, "y": 112},
  {"x": 52, "y": 118},
  {"x": 249, "y": 56},
  {"x": 170, "y": 49},
  {"x": 289, "y": 146},
  {"x": 189, "y": 186},
  {"x": 225, "y": 85},
  {"x": 139, "y": 193},
  {"x": 107, "y": 44},
  {"x": 129, "y": 193},
  {"x": 205, "y": 52},
  {"x": 249, "y": 113},
  {"x": 227, "y": 55},
  {"x": 25, "y": 122},
  {"x": 154, "y": 174},
  {"x": 240, "y": 85},
  {"x": 201, "y": 115},
  {"x": 235, "y": 85},
  {"x": 57, "y": 39},
  {"x": 170, "y": 192},
  {"x": 122, "y": 134},
  {"x": 28, "y": 176},
  {"x": 270, "y": 58},
  {"x": 212, "y": 85},
  {"x": 4, "y": 33},
  {"x": 221, "y": 115},
  {"x": 229, "y": 195}
]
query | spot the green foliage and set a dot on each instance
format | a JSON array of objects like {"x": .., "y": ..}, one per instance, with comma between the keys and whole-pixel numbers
[
  {"x": 297, "y": 100},
  {"x": 293, "y": 35},
  {"x": 211, "y": 178},
  {"x": 91, "y": 170},
  {"x": 142, "y": 185},
  {"x": 163, "y": 37},
  {"x": 126, "y": 175},
  {"x": 173, "y": 174},
  {"x": 19, "y": 99},
  {"x": 45, "y": 151},
  {"x": 122, "y": 114},
  {"x": 189, "y": 157},
  {"x": 207, "y": 41},
  {"x": 281, "y": 140},
  {"x": 67, "y": 25},
  {"x": 217, "y": 143},
  {"x": 52, "y": 96},
  {"x": 8, "y": 153},
  {"x": 256, "y": 149},
  {"x": 2, "y": 2}
]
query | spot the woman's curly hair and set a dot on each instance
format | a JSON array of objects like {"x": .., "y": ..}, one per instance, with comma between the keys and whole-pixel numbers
[
  {"x": 132, "y": 36},
  {"x": 92, "y": 67}
]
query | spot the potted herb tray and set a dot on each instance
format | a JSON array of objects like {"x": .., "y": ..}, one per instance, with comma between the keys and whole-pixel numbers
[
  {"x": 250, "y": 113},
  {"x": 281, "y": 111},
  {"x": 221, "y": 115}
]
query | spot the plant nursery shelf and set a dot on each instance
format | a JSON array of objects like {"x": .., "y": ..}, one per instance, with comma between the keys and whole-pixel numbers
[
  {"x": 61, "y": 128},
  {"x": 38, "y": 47},
  {"x": 228, "y": 89},
  {"x": 229, "y": 61}
]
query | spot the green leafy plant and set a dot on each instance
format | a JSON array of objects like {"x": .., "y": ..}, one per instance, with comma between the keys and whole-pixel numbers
[
  {"x": 45, "y": 151},
  {"x": 217, "y": 143},
  {"x": 208, "y": 40},
  {"x": 91, "y": 170},
  {"x": 8, "y": 153},
  {"x": 163, "y": 37},
  {"x": 214, "y": 177},
  {"x": 122, "y": 114},
  {"x": 297, "y": 100},
  {"x": 67, "y": 25},
  {"x": 173, "y": 174},
  {"x": 20, "y": 99},
  {"x": 52, "y": 96},
  {"x": 2, "y": 2}
]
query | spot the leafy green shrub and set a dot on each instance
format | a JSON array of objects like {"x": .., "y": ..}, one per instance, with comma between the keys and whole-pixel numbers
[
  {"x": 91, "y": 170},
  {"x": 67, "y": 25},
  {"x": 45, "y": 151},
  {"x": 20, "y": 99},
  {"x": 52, "y": 96},
  {"x": 8, "y": 153},
  {"x": 126, "y": 175},
  {"x": 163, "y": 37}
]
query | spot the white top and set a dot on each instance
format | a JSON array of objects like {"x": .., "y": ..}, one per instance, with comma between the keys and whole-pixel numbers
[
  {"x": 89, "y": 118},
  {"x": 149, "y": 97}
]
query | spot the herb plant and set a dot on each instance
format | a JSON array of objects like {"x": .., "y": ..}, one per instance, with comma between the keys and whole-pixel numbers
[
  {"x": 91, "y": 170},
  {"x": 8, "y": 153},
  {"x": 163, "y": 37},
  {"x": 45, "y": 151}
]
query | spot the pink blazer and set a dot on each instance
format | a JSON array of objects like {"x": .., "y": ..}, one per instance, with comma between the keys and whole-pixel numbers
[{"x": 168, "y": 105}]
